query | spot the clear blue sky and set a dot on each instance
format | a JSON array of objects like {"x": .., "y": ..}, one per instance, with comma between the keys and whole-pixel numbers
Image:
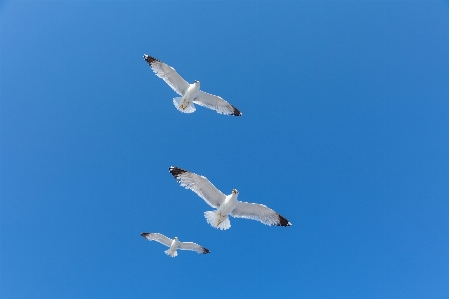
[{"x": 345, "y": 132}]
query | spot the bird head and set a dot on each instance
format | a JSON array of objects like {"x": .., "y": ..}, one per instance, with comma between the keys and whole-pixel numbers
[{"x": 234, "y": 191}]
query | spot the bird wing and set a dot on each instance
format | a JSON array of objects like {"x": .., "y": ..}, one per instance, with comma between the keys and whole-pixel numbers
[
  {"x": 216, "y": 103},
  {"x": 168, "y": 74},
  {"x": 192, "y": 246},
  {"x": 158, "y": 238},
  {"x": 200, "y": 185},
  {"x": 259, "y": 212}
]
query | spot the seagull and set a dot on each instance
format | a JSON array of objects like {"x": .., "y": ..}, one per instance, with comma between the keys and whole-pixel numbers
[
  {"x": 225, "y": 205},
  {"x": 190, "y": 94},
  {"x": 174, "y": 244}
]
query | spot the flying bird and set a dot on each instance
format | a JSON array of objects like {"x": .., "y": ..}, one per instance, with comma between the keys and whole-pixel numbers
[
  {"x": 225, "y": 205},
  {"x": 190, "y": 94},
  {"x": 174, "y": 244}
]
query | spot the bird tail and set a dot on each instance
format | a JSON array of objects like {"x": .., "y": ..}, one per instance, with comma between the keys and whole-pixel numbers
[
  {"x": 189, "y": 109},
  {"x": 167, "y": 252},
  {"x": 212, "y": 217}
]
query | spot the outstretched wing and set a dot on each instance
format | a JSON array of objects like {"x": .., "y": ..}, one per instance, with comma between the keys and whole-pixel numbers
[
  {"x": 259, "y": 212},
  {"x": 158, "y": 238},
  {"x": 168, "y": 74},
  {"x": 193, "y": 246},
  {"x": 216, "y": 103},
  {"x": 200, "y": 185}
]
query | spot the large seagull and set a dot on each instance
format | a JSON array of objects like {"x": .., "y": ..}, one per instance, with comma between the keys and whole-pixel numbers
[
  {"x": 225, "y": 205},
  {"x": 174, "y": 244},
  {"x": 190, "y": 94}
]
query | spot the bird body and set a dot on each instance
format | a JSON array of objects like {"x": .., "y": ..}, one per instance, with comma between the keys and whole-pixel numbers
[
  {"x": 188, "y": 97},
  {"x": 173, "y": 246},
  {"x": 219, "y": 217},
  {"x": 225, "y": 205},
  {"x": 229, "y": 203}
]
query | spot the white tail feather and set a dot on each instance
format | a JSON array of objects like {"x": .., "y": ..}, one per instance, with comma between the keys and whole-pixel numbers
[
  {"x": 212, "y": 217},
  {"x": 189, "y": 109},
  {"x": 167, "y": 252}
]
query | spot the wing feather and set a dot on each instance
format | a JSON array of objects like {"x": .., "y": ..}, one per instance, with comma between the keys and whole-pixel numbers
[
  {"x": 259, "y": 212},
  {"x": 200, "y": 185},
  {"x": 168, "y": 74},
  {"x": 215, "y": 103},
  {"x": 158, "y": 238},
  {"x": 192, "y": 246}
]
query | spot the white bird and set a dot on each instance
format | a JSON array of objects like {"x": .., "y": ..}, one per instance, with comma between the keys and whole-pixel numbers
[
  {"x": 174, "y": 244},
  {"x": 225, "y": 205},
  {"x": 190, "y": 93}
]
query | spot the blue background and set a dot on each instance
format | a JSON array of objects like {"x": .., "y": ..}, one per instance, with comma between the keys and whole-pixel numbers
[{"x": 344, "y": 132}]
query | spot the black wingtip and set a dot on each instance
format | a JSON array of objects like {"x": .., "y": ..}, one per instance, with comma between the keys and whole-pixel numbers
[
  {"x": 149, "y": 59},
  {"x": 283, "y": 221},
  {"x": 205, "y": 250},
  {"x": 236, "y": 112},
  {"x": 144, "y": 234},
  {"x": 175, "y": 171}
]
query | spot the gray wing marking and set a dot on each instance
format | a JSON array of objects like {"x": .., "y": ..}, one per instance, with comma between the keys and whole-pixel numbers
[
  {"x": 158, "y": 238},
  {"x": 200, "y": 185},
  {"x": 260, "y": 213},
  {"x": 168, "y": 74},
  {"x": 192, "y": 246},
  {"x": 215, "y": 103}
]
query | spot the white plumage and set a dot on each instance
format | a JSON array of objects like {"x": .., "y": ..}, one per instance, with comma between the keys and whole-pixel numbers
[
  {"x": 225, "y": 205},
  {"x": 174, "y": 244},
  {"x": 190, "y": 93}
]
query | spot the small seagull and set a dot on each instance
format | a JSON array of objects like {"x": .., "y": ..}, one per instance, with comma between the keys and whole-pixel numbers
[
  {"x": 225, "y": 205},
  {"x": 189, "y": 93},
  {"x": 174, "y": 244}
]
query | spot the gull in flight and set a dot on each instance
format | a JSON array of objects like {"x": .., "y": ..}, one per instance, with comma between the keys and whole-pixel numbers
[
  {"x": 174, "y": 244},
  {"x": 190, "y": 94},
  {"x": 225, "y": 205}
]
